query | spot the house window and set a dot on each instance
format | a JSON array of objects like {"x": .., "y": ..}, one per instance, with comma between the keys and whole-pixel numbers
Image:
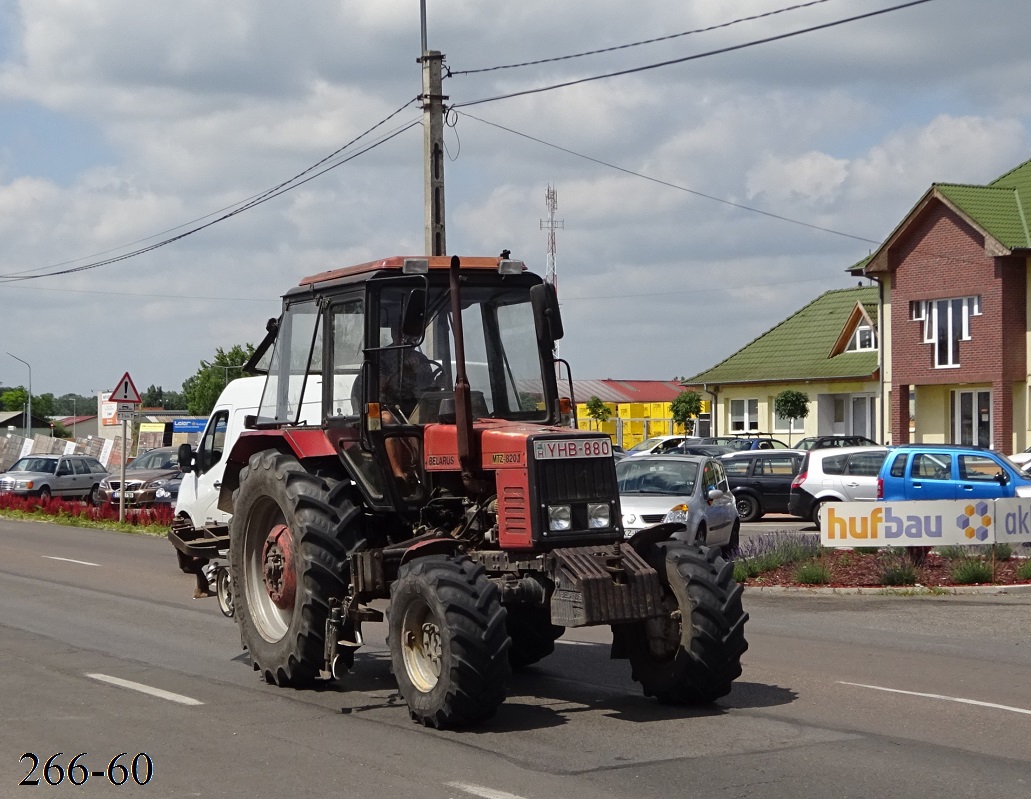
[
  {"x": 863, "y": 340},
  {"x": 945, "y": 324},
  {"x": 744, "y": 415},
  {"x": 782, "y": 425}
]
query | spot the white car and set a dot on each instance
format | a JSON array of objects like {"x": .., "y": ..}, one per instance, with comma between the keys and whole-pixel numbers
[
  {"x": 1022, "y": 459},
  {"x": 838, "y": 474},
  {"x": 657, "y": 445},
  {"x": 691, "y": 489}
]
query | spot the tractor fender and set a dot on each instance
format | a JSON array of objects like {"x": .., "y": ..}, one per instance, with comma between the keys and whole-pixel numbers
[
  {"x": 302, "y": 443},
  {"x": 432, "y": 546}
]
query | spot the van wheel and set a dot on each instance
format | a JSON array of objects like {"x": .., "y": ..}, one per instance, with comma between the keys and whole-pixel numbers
[{"x": 748, "y": 509}]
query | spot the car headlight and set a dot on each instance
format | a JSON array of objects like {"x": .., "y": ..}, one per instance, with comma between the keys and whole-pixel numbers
[
  {"x": 599, "y": 515},
  {"x": 26, "y": 484},
  {"x": 163, "y": 493},
  {"x": 678, "y": 513},
  {"x": 105, "y": 485},
  {"x": 560, "y": 517},
  {"x": 156, "y": 483}
]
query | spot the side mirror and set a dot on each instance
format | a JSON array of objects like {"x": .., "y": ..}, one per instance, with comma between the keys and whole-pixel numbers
[
  {"x": 546, "y": 313},
  {"x": 714, "y": 493},
  {"x": 185, "y": 454},
  {"x": 413, "y": 318}
]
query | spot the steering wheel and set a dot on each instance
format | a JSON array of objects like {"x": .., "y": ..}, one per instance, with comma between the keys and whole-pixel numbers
[{"x": 438, "y": 377}]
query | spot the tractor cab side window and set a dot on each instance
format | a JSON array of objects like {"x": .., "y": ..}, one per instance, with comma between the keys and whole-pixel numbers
[
  {"x": 348, "y": 321},
  {"x": 293, "y": 391}
]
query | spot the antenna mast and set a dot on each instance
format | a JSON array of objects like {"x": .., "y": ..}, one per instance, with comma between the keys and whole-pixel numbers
[{"x": 551, "y": 199}]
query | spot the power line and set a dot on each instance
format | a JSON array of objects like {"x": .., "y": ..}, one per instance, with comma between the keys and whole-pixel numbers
[
  {"x": 275, "y": 191},
  {"x": 673, "y": 185},
  {"x": 455, "y": 73},
  {"x": 719, "y": 51}
]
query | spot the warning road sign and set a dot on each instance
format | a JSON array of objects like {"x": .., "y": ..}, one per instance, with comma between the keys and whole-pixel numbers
[{"x": 125, "y": 391}]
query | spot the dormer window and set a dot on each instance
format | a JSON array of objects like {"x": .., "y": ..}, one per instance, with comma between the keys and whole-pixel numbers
[{"x": 863, "y": 340}]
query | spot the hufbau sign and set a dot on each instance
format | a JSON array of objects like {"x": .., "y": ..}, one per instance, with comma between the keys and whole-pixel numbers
[{"x": 919, "y": 524}]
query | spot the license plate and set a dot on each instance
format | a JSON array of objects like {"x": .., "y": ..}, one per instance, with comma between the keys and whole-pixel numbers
[
  {"x": 117, "y": 494},
  {"x": 563, "y": 448}
]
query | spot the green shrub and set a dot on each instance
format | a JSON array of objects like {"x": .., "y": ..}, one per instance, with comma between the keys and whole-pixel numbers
[
  {"x": 896, "y": 568},
  {"x": 1002, "y": 551},
  {"x": 972, "y": 570},
  {"x": 1024, "y": 572},
  {"x": 812, "y": 573},
  {"x": 952, "y": 552}
]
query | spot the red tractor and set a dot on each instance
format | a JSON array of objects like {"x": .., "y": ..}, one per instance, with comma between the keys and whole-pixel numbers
[{"x": 412, "y": 446}]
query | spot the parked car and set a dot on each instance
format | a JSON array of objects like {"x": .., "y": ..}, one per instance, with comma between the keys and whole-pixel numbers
[
  {"x": 761, "y": 480},
  {"x": 143, "y": 477},
  {"x": 1022, "y": 459},
  {"x": 839, "y": 474},
  {"x": 618, "y": 452},
  {"x": 690, "y": 448},
  {"x": 745, "y": 442},
  {"x": 656, "y": 445},
  {"x": 826, "y": 442},
  {"x": 168, "y": 493},
  {"x": 64, "y": 476},
  {"x": 692, "y": 489},
  {"x": 948, "y": 471}
]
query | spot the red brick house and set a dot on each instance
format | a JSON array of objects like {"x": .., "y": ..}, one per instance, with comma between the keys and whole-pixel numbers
[{"x": 956, "y": 315}]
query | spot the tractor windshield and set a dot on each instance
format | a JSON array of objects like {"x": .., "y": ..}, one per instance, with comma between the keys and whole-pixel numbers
[{"x": 503, "y": 364}]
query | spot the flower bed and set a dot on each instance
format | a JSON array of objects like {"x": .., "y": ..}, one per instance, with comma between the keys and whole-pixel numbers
[
  {"x": 792, "y": 560},
  {"x": 60, "y": 509}
]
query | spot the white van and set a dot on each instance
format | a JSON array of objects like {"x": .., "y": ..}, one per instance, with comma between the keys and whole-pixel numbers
[{"x": 198, "y": 494}]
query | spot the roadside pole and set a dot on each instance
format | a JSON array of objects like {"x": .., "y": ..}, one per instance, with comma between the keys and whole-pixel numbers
[
  {"x": 128, "y": 399},
  {"x": 433, "y": 144}
]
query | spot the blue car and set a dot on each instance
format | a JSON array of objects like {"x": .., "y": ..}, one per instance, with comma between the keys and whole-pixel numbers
[{"x": 944, "y": 471}]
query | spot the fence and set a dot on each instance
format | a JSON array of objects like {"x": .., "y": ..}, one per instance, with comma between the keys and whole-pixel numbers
[{"x": 12, "y": 447}]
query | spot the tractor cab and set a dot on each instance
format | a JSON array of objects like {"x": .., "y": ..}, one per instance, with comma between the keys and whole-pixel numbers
[{"x": 381, "y": 354}]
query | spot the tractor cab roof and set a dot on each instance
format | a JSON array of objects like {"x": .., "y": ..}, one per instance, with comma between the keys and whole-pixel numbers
[{"x": 411, "y": 265}]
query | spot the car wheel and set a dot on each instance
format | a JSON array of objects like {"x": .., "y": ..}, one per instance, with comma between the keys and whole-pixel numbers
[
  {"x": 44, "y": 494},
  {"x": 748, "y": 509},
  {"x": 814, "y": 514}
]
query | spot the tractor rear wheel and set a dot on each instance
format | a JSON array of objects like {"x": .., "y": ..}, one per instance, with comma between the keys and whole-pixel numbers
[
  {"x": 447, "y": 639},
  {"x": 532, "y": 633},
  {"x": 289, "y": 539},
  {"x": 692, "y": 653}
]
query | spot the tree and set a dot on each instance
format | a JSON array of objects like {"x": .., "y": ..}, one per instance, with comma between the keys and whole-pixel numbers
[
  {"x": 598, "y": 410},
  {"x": 685, "y": 408},
  {"x": 200, "y": 391},
  {"x": 790, "y": 404},
  {"x": 13, "y": 399}
]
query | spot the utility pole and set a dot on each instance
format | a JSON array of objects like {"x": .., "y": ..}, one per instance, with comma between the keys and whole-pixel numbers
[{"x": 433, "y": 143}]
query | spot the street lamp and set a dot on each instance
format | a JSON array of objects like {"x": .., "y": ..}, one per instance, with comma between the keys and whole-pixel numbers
[
  {"x": 227, "y": 368},
  {"x": 28, "y": 422}
]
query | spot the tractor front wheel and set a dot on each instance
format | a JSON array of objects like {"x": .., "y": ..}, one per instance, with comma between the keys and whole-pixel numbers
[
  {"x": 289, "y": 539},
  {"x": 447, "y": 639},
  {"x": 692, "y": 653}
]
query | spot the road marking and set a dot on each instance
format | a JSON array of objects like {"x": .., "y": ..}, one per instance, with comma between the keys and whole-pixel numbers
[
  {"x": 959, "y": 699},
  {"x": 69, "y": 560},
  {"x": 479, "y": 790},
  {"x": 146, "y": 689},
  {"x": 580, "y": 643}
]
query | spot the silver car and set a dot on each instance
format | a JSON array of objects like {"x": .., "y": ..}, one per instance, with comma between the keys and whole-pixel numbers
[
  {"x": 692, "y": 489},
  {"x": 63, "y": 476}
]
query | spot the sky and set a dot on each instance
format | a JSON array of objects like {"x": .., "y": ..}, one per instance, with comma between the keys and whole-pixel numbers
[{"x": 700, "y": 202}]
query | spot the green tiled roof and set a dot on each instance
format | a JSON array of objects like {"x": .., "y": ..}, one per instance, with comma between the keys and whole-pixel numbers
[
  {"x": 1002, "y": 208},
  {"x": 799, "y": 347}
]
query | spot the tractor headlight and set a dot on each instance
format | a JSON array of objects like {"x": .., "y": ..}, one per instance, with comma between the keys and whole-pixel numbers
[
  {"x": 678, "y": 513},
  {"x": 560, "y": 517},
  {"x": 598, "y": 515}
]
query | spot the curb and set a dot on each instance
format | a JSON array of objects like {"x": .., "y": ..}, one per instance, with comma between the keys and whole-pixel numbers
[{"x": 887, "y": 590}]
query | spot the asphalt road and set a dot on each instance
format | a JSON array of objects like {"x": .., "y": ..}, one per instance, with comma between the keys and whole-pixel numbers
[{"x": 849, "y": 696}]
